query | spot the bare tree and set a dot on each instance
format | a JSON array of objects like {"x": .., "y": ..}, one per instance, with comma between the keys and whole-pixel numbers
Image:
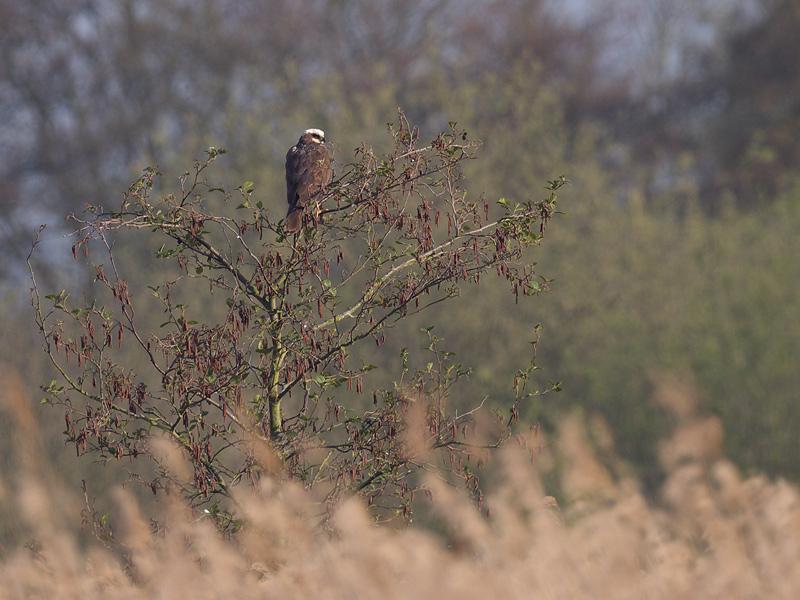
[{"x": 395, "y": 235}]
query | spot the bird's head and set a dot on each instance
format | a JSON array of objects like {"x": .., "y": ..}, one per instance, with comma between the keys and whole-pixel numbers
[{"x": 313, "y": 136}]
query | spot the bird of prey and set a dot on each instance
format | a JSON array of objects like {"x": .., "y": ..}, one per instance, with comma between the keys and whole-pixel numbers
[{"x": 308, "y": 172}]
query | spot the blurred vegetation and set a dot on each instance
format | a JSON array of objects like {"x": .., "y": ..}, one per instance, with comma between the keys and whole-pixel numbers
[{"x": 676, "y": 123}]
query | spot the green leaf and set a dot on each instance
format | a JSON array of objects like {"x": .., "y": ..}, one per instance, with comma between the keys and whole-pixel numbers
[
  {"x": 54, "y": 387},
  {"x": 324, "y": 380},
  {"x": 321, "y": 379},
  {"x": 247, "y": 187}
]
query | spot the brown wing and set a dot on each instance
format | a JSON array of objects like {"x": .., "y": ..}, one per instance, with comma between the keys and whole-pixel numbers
[
  {"x": 292, "y": 176},
  {"x": 308, "y": 172}
]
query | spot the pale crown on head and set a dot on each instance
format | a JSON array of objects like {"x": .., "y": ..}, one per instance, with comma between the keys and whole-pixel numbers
[{"x": 316, "y": 133}]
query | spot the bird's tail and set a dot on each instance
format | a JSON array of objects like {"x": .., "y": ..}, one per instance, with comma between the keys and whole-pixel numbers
[{"x": 293, "y": 221}]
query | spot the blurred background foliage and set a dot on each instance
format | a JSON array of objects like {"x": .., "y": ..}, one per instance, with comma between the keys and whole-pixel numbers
[{"x": 677, "y": 122}]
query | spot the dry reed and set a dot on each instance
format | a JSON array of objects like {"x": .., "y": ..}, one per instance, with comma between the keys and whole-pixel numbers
[{"x": 712, "y": 533}]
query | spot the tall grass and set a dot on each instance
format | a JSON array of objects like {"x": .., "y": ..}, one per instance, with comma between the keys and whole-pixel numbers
[{"x": 712, "y": 533}]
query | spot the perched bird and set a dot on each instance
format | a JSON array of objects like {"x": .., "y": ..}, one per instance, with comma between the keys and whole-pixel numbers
[{"x": 308, "y": 173}]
